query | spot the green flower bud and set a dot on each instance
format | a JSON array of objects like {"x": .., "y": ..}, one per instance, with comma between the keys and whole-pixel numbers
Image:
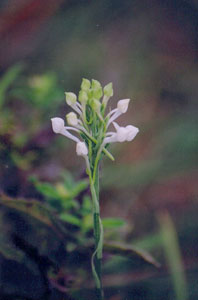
[
  {"x": 72, "y": 119},
  {"x": 95, "y": 84},
  {"x": 96, "y": 105},
  {"x": 85, "y": 85},
  {"x": 70, "y": 98},
  {"x": 82, "y": 97},
  {"x": 96, "y": 89},
  {"x": 108, "y": 90}
]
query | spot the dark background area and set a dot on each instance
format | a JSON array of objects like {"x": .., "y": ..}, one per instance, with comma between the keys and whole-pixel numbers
[{"x": 149, "y": 50}]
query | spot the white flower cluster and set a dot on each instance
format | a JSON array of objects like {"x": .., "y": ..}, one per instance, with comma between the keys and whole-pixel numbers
[{"x": 89, "y": 101}]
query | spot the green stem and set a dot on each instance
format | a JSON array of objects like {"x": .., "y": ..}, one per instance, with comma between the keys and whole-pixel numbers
[
  {"x": 108, "y": 154},
  {"x": 98, "y": 232}
]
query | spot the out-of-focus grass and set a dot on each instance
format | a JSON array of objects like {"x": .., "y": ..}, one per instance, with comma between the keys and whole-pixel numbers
[{"x": 173, "y": 256}]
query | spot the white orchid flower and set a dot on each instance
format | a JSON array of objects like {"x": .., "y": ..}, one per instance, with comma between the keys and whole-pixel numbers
[
  {"x": 122, "y": 134},
  {"x": 122, "y": 107},
  {"x": 58, "y": 126}
]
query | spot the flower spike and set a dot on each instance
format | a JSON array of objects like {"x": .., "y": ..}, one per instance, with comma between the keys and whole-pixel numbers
[{"x": 92, "y": 120}]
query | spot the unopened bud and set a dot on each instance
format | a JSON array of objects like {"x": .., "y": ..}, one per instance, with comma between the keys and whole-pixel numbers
[
  {"x": 70, "y": 98},
  {"x": 57, "y": 125},
  {"x": 96, "y": 89},
  {"x": 85, "y": 85},
  {"x": 72, "y": 119},
  {"x": 81, "y": 149},
  {"x": 82, "y": 97},
  {"x": 108, "y": 90},
  {"x": 96, "y": 105},
  {"x": 122, "y": 105}
]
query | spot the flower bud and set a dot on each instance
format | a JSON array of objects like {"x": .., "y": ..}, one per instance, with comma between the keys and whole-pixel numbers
[
  {"x": 81, "y": 149},
  {"x": 96, "y": 105},
  {"x": 95, "y": 84},
  {"x": 57, "y": 125},
  {"x": 85, "y": 85},
  {"x": 122, "y": 105},
  {"x": 132, "y": 131},
  {"x": 96, "y": 89},
  {"x": 83, "y": 97},
  {"x": 72, "y": 119},
  {"x": 108, "y": 90},
  {"x": 70, "y": 98}
]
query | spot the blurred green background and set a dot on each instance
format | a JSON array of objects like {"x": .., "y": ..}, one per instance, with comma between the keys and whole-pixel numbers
[{"x": 149, "y": 50}]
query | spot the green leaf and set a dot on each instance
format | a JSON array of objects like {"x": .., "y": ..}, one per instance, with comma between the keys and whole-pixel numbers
[
  {"x": 38, "y": 211},
  {"x": 130, "y": 252},
  {"x": 46, "y": 189},
  {"x": 79, "y": 187},
  {"x": 71, "y": 219},
  {"x": 8, "y": 79},
  {"x": 113, "y": 223}
]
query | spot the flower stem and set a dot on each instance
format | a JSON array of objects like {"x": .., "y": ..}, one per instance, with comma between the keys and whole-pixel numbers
[{"x": 98, "y": 232}]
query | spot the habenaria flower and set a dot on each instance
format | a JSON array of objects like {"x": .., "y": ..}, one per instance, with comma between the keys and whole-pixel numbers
[{"x": 92, "y": 124}]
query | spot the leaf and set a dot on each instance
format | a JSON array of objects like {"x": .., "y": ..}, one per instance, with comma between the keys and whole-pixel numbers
[
  {"x": 7, "y": 80},
  {"x": 149, "y": 242},
  {"x": 130, "y": 252},
  {"x": 70, "y": 219},
  {"x": 46, "y": 189},
  {"x": 79, "y": 187},
  {"x": 110, "y": 223},
  {"x": 38, "y": 211}
]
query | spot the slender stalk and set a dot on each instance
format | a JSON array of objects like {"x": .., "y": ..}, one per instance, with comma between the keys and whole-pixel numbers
[{"x": 98, "y": 231}]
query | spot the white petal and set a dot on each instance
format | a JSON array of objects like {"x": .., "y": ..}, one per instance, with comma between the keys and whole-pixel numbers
[
  {"x": 114, "y": 116},
  {"x": 132, "y": 131},
  {"x": 57, "y": 124},
  {"x": 81, "y": 149},
  {"x": 66, "y": 133},
  {"x": 122, "y": 105},
  {"x": 122, "y": 133},
  {"x": 110, "y": 139}
]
